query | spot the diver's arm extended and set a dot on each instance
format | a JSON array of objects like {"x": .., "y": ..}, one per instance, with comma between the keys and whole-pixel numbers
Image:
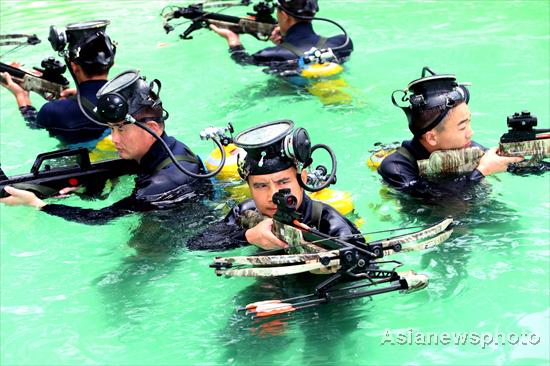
[
  {"x": 219, "y": 236},
  {"x": 98, "y": 217},
  {"x": 19, "y": 197},
  {"x": 237, "y": 50},
  {"x": 23, "y": 100},
  {"x": 225, "y": 234}
]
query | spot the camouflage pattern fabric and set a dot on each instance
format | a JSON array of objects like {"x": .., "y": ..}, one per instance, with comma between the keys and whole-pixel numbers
[
  {"x": 423, "y": 245},
  {"x": 274, "y": 260},
  {"x": 414, "y": 281},
  {"x": 444, "y": 162},
  {"x": 250, "y": 218},
  {"x": 290, "y": 235},
  {"x": 460, "y": 161},
  {"x": 274, "y": 271},
  {"x": 280, "y": 265},
  {"x": 537, "y": 150},
  {"x": 418, "y": 235}
]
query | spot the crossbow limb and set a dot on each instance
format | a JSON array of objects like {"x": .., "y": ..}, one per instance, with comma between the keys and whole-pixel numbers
[
  {"x": 346, "y": 261},
  {"x": 259, "y": 23}
]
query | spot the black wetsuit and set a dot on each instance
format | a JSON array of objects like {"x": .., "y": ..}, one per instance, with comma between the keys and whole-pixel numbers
[
  {"x": 228, "y": 233},
  {"x": 401, "y": 172},
  {"x": 301, "y": 36},
  {"x": 154, "y": 188},
  {"x": 64, "y": 120}
]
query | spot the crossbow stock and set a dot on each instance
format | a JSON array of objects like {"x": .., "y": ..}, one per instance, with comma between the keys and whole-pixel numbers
[
  {"x": 343, "y": 259},
  {"x": 520, "y": 140}
]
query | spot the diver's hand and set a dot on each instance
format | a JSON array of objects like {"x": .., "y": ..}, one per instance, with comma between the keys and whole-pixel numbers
[
  {"x": 276, "y": 36},
  {"x": 69, "y": 92},
  {"x": 232, "y": 37},
  {"x": 66, "y": 192},
  {"x": 19, "y": 197},
  {"x": 492, "y": 163},
  {"x": 21, "y": 95},
  {"x": 261, "y": 236}
]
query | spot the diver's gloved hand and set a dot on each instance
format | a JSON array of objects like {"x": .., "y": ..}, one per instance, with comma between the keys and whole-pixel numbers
[
  {"x": 492, "y": 163},
  {"x": 19, "y": 197},
  {"x": 262, "y": 236},
  {"x": 232, "y": 38},
  {"x": 276, "y": 37}
]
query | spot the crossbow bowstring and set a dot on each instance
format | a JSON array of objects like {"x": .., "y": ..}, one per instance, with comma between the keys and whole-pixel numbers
[
  {"x": 224, "y": 5},
  {"x": 11, "y": 40}
]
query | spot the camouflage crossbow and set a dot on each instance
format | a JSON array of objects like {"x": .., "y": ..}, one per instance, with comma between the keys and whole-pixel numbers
[
  {"x": 312, "y": 251},
  {"x": 520, "y": 140},
  {"x": 15, "y": 40},
  {"x": 259, "y": 23},
  {"x": 49, "y": 83}
]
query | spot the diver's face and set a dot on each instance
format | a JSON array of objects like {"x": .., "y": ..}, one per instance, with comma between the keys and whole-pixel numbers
[
  {"x": 131, "y": 141},
  {"x": 262, "y": 188},
  {"x": 457, "y": 131},
  {"x": 282, "y": 21}
]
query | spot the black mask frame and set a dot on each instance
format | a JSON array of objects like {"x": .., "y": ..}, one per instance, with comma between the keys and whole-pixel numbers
[
  {"x": 282, "y": 149},
  {"x": 428, "y": 92}
]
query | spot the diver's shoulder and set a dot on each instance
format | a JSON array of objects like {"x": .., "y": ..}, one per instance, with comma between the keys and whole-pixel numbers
[
  {"x": 275, "y": 53},
  {"x": 56, "y": 111},
  {"x": 397, "y": 169},
  {"x": 57, "y": 106}
]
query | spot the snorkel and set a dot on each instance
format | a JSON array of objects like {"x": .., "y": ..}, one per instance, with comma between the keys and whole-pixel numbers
[
  {"x": 275, "y": 146},
  {"x": 128, "y": 93},
  {"x": 435, "y": 92}
]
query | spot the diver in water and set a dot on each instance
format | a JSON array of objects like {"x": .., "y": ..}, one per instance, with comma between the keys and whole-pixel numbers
[
  {"x": 275, "y": 159},
  {"x": 90, "y": 54},
  {"x": 439, "y": 119},
  {"x": 293, "y": 37},
  {"x": 129, "y": 106}
]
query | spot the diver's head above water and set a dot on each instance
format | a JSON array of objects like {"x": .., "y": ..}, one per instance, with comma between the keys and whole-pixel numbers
[
  {"x": 86, "y": 45},
  {"x": 298, "y": 8},
  {"x": 290, "y": 12},
  {"x": 128, "y": 99},
  {"x": 438, "y": 112},
  {"x": 274, "y": 153},
  {"x": 277, "y": 155}
]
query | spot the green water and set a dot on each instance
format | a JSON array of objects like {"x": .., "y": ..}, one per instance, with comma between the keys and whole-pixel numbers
[{"x": 73, "y": 294}]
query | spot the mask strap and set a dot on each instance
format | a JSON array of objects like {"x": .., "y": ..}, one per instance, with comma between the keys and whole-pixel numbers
[{"x": 435, "y": 122}]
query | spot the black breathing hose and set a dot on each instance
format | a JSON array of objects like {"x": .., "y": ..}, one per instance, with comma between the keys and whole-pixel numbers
[
  {"x": 153, "y": 133},
  {"x": 324, "y": 20},
  {"x": 175, "y": 161},
  {"x": 332, "y": 175}
]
